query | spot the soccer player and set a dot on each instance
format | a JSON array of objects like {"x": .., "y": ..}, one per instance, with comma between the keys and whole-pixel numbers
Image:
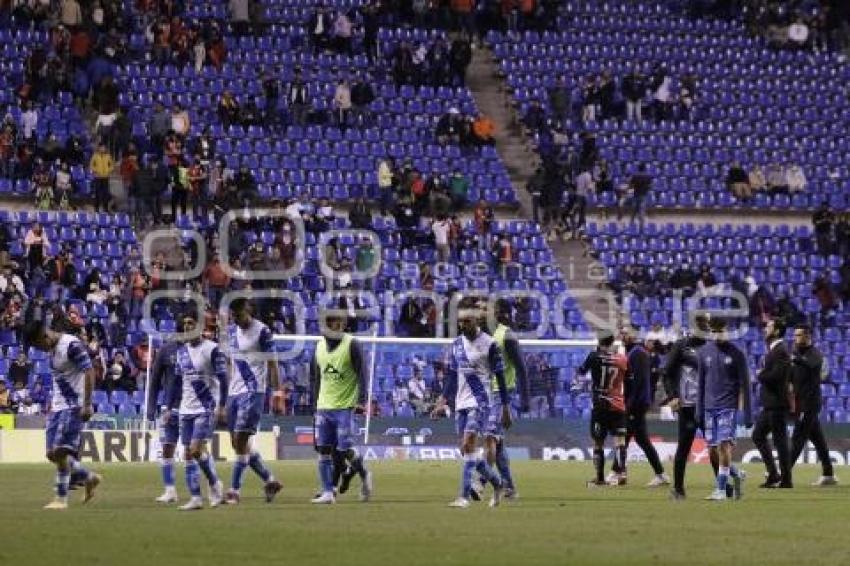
[
  {"x": 517, "y": 384},
  {"x": 681, "y": 381},
  {"x": 248, "y": 337},
  {"x": 774, "y": 378},
  {"x": 638, "y": 400},
  {"x": 338, "y": 374},
  {"x": 70, "y": 407},
  {"x": 807, "y": 373},
  {"x": 474, "y": 359},
  {"x": 724, "y": 384},
  {"x": 164, "y": 378},
  {"x": 608, "y": 414},
  {"x": 203, "y": 372}
]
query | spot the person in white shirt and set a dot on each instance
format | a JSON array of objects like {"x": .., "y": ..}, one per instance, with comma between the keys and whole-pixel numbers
[
  {"x": 342, "y": 102},
  {"x": 796, "y": 179},
  {"x": 798, "y": 33},
  {"x": 418, "y": 393},
  {"x": 441, "y": 227},
  {"x": 29, "y": 121},
  {"x": 585, "y": 186}
]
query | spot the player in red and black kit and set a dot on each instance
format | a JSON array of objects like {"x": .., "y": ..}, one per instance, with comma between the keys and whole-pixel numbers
[{"x": 608, "y": 417}]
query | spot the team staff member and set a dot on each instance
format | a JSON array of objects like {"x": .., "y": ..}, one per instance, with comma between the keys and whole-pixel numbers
[
  {"x": 774, "y": 378},
  {"x": 806, "y": 374}
]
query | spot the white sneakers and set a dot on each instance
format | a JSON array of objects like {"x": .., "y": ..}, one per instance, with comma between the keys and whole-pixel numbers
[
  {"x": 57, "y": 504},
  {"x": 460, "y": 503},
  {"x": 659, "y": 480},
  {"x": 194, "y": 504},
  {"x": 825, "y": 481},
  {"x": 325, "y": 498},
  {"x": 716, "y": 495},
  {"x": 168, "y": 496}
]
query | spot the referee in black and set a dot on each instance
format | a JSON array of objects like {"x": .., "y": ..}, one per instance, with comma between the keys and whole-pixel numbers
[
  {"x": 774, "y": 378},
  {"x": 806, "y": 375}
]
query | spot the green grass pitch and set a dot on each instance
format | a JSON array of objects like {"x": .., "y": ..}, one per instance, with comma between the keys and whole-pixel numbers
[{"x": 556, "y": 521}]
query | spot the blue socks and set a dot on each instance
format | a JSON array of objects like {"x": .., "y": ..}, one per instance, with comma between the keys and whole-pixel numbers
[
  {"x": 238, "y": 471},
  {"x": 63, "y": 478},
  {"x": 503, "y": 463},
  {"x": 166, "y": 466},
  {"x": 722, "y": 478},
  {"x": 193, "y": 478},
  {"x": 326, "y": 472},
  {"x": 208, "y": 468},
  {"x": 78, "y": 471},
  {"x": 256, "y": 462},
  {"x": 469, "y": 464}
]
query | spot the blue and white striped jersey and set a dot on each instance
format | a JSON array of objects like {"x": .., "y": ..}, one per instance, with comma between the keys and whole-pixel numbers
[
  {"x": 69, "y": 362},
  {"x": 203, "y": 371},
  {"x": 473, "y": 364},
  {"x": 249, "y": 372}
]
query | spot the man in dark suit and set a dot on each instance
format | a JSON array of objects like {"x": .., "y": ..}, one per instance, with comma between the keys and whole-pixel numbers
[
  {"x": 807, "y": 366},
  {"x": 774, "y": 378}
]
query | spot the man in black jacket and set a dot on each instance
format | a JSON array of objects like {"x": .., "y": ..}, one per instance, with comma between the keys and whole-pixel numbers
[
  {"x": 681, "y": 382},
  {"x": 806, "y": 369},
  {"x": 774, "y": 378}
]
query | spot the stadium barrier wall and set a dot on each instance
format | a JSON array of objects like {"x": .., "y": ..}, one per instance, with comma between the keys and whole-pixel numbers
[
  {"x": 291, "y": 438},
  {"x": 28, "y": 446}
]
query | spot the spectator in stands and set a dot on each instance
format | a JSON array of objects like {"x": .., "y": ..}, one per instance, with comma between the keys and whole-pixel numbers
[
  {"x": 197, "y": 178},
  {"x": 400, "y": 396},
  {"x": 756, "y": 179},
  {"x": 217, "y": 51},
  {"x": 298, "y": 99},
  {"x": 159, "y": 126},
  {"x": 738, "y": 182},
  {"x": 402, "y": 66},
  {"x": 535, "y": 117},
  {"x": 796, "y": 179},
  {"x": 640, "y": 185},
  {"x": 483, "y": 130},
  {"x": 464, "y": 14},
  {"x": 228, "y": 109},
  {"x": 824, "y": 292},
  {"x": 29, "y": 121},
  {"x": 407, "y": 221},
  {"x": 777, "y": 178},
  {"x": 386, "y": 182},
  {"x": 342, "y": 30},
  {"x": 36, "y": 244},
  {"x": 560, "y": 100},
  {"x": 607, "y": 91},
  {"x": 320, "y": 28},
  {"x": 71, "y": 16},
  {"x": 823, "y": 221},
  {"x": 449, "y": 127},
  {"x": 151, "y": 183},
  {"x": 180, "y": 122},
  {"x": 458, "y": 190},
  {"x": 240, "y": 16},
  {"x": 661, "y": 85},
  {"x": 419, "y": 393},
  {"x": 441, "y": 228},
  {"x": 360, "y": 215},
  {"x": 589, "y": 99},
  {"x": 20, "y": 369},
  {"x": 5, "y": 397},
  {"x": 129, "y": 170},
  {"x": 687, "y": 96},
  {"x": 460, "y": 56},
  {"x": 342, "y": 103},
  {"x": 634, "y": 90},
  {"x": 362, "y": 96},
  {"x": 118, "y": 376}
]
